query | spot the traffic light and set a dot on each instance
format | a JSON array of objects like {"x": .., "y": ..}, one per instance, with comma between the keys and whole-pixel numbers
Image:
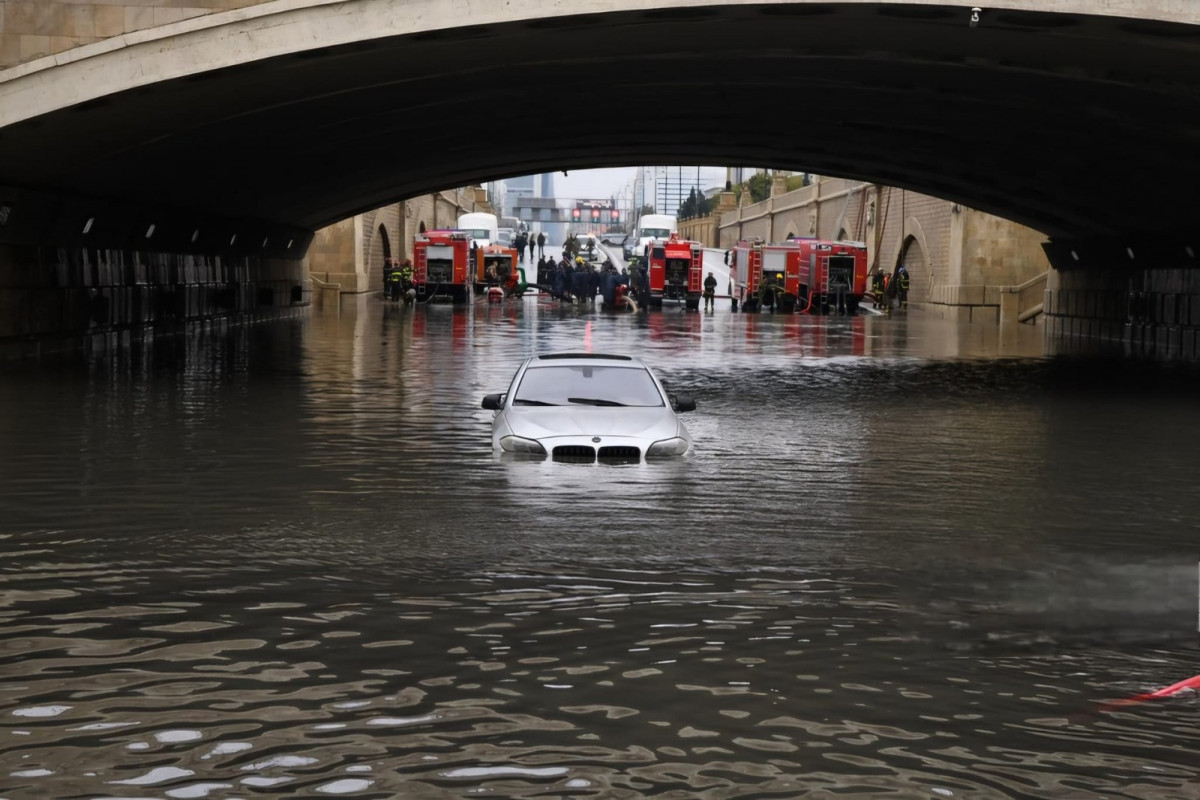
[
  {"x": 595, "y": 215},
  {"x": 614, "y": 215},
  {"x": 575, "y": 214}
]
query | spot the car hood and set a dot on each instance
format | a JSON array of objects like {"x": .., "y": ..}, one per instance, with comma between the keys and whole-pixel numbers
[{"x": 546, "y": 422}]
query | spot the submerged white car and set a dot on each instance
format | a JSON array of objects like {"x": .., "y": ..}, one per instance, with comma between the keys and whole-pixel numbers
[{"x": 584, "y": 407}]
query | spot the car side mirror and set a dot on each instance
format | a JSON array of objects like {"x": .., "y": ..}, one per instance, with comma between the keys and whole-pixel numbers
[
  {"x": 493, "y": 402},
  {"x": 683, "y": 402}
]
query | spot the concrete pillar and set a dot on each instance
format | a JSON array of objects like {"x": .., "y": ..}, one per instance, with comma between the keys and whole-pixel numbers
[{"x": 1010, "y": 306}]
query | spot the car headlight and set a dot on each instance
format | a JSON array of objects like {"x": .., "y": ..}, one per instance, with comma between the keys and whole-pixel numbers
[
  {"x": 519, "y": 444},
  {"x": 668, "y": 447}
]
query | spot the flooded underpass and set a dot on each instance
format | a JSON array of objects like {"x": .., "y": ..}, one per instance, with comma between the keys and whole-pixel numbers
[{"x": 907, "y": 559}]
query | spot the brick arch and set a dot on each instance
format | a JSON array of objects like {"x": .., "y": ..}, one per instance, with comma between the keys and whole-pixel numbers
[{"x": 915, "y": 257}]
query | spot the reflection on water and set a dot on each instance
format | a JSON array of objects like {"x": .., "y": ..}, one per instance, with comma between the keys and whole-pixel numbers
[{"x": 907, "y": 559}]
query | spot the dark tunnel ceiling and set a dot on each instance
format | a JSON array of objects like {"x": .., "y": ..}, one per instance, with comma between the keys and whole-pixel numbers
[{"x": 1076, "y": 126}]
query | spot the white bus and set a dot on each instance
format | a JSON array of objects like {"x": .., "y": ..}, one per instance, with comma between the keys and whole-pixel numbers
[{"x": 484, "y": 228}]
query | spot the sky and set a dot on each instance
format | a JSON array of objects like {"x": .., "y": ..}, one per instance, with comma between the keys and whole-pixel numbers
[{"x": 601, "y": 184}]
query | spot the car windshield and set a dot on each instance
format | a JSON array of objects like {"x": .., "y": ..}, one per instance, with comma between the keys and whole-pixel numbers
[{"x": 587, "y": 385}]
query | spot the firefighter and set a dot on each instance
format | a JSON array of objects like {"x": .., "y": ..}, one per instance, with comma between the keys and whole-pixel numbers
[
  {"x": 407, "y": 291},
  {"x": 710, "y": 292},
  {"x": 877, "y": 287},
  {"x": 771, "y": 287},
  {"x": 902, "y": 278},
  {"x": 394, "y": 276}
]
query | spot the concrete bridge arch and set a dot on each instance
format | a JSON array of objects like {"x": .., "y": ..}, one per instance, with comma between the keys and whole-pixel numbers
[{"x": 283, "y": 98}]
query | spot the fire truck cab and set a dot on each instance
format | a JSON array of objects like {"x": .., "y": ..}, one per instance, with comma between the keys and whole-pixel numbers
[
  {"x": 676, "y": 271},
  {"x": 441, "y": 265},
  {"x": 494, "y": 265}
]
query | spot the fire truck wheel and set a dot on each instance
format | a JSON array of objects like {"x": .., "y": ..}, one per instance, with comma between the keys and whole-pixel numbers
[
  {"x": 459, "y": 295},
  {"x": 693, "y": 303},
  {"x": 787, "y": 304},
  {"x": 479, "y": 287},
  {"x": 750, "y": 306},
  {"x": 656, "y": 302}
]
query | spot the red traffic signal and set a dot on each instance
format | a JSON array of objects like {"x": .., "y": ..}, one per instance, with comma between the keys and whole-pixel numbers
[
  {"x": 575, "y": 214},
  {"x": 595, "y": 215}
]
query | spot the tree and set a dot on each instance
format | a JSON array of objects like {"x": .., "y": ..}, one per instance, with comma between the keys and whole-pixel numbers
[
  {"x": 644, "y": 210},
  {"x": 760, "y": 186},
  {"x": 696, "y": 205}
]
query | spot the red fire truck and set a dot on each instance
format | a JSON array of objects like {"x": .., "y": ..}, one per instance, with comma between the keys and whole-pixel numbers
[
  {"x": 495, "y": 265},
  {"x": 676, "y": 271},
  {"x": 767, "y": 274},
  {"x": 836, "y": 275},
  {"x": 441, "y": 265},
  {"x": 812, "y": 275}
]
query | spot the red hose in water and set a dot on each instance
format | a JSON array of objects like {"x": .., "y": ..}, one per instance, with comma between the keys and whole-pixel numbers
[{"x": 1174, "y": 688}]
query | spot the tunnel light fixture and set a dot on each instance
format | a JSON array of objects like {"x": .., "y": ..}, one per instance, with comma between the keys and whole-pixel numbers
[
  {"x": 1129, "y": 252},
  {"x": 1074, "y": 255},
  {"x": 265, "y": 240},
  {"x": 232, "y": 239},
  {"x": 87, "y": 226},
  {"x": 289, "y": 247},
  {"x": 150, "y": 230},
  {"x": 195, "y": 235},
  {"x": 1190, "y": 252}
]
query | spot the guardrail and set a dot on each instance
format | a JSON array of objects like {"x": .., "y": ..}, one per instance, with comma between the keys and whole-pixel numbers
[{"x": 1023, "y": 303}]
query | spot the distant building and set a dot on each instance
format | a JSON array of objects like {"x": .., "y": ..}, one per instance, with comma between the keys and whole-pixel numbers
[{"x": 515, "y": 190}]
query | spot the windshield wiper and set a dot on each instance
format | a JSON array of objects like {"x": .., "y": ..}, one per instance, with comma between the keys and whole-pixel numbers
[
  {"x": 593, "y": 401},
  {"x": 520, "y": 401}
]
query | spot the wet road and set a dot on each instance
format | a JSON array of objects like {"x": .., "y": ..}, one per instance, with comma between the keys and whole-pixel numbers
[{"x": 907, "y": 559}]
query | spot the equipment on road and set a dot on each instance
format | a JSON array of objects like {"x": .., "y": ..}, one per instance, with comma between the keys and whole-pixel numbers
[{"x": 494, "y": 265}]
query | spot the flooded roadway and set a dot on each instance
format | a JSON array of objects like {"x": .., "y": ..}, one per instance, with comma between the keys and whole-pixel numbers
[{"x": 907, "y": 559}]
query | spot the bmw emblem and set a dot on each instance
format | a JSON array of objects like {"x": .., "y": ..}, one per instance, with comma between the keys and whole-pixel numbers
[{"x": 596, "y": 439}]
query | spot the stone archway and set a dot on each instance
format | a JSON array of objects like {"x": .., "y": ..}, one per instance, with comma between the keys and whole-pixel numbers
[
  {"x": 913, "y": 259},
  {"x": 379, "y": 253}
]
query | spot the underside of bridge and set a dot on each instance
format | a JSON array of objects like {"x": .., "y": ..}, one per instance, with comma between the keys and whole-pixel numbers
[{"x": 1082, "y": 127}]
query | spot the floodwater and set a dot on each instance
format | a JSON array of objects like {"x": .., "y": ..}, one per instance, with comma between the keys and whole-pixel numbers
[{"x": 907, "y": 559}]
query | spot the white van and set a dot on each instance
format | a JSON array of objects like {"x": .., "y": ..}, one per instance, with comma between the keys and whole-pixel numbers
[
  {"x": 484, "y": 228},
  {"x": 650, "y": 227}
]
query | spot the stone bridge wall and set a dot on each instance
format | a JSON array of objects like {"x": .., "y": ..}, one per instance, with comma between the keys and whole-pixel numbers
[
  {"x": 72, "y": 299},
  {"x": 32, "y": 29},
  {"x": 958, "y": 258},
  {"x": 351, "y": 253}
]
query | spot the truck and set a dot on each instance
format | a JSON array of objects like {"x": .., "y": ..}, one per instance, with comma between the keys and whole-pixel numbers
[
  {"x": 675, "y": 271},
  {"x": 494, "y": 265},
  {"x": 837, "y": 275},
  {"x": 813, "y": 275},
  {"x": 767, "y": 274},
  {"x": 649, "y": 228},
  {"x": 484, "y": 228},
  {"x": 442, "y": 265}
]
